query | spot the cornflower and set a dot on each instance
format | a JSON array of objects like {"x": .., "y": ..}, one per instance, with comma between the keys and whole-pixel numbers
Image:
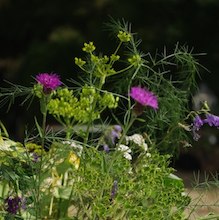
[
  {"x": 144, "y": 97},
  {"x": 48, "y": 81}
]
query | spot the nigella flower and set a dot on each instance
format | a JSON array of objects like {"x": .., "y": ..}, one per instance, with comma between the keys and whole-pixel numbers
[
  {"x": 212, "y": 120},
  {"x": 13, "y": 204},
  {"x": 48, "y": 81},
  {"x": 144, "y": 98}
]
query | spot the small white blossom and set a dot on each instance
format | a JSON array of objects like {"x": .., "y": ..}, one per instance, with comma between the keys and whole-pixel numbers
[
  {"x": 75, "y": 145},
  {"x": 148, "y": 154},
  {"x": 137, "y": 139},
  {"x": 5, "y": 145},
  {"x": 145, "y": 147},
  {"x": 126, "y": 150},
  {"x": 127, "y": 156}
]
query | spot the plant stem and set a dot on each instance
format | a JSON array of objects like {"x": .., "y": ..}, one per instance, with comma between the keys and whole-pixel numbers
[{"x": 44, "y": 113}]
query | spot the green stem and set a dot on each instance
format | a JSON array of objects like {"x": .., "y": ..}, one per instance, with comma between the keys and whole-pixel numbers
[
  {"x": 44, "y": 113},
  {"x": 60, "y": 199},
  {"x": 133, "y": 117}
]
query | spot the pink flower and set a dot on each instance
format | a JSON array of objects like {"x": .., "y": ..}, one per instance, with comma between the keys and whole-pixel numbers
[
  {"x": 144, "y": 97},
  {"x": 48, "y": 81}
]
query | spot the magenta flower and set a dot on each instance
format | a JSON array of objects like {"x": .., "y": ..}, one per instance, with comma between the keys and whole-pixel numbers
[
  {"x": 48, "y": 81},
  {"x": 144, "y": 97}
]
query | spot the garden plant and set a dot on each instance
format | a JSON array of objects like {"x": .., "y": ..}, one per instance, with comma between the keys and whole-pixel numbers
[{"x": 119, "y": 127}]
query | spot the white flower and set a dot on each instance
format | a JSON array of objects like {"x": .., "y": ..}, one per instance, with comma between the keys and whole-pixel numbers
[
  {"x": 5, "y": 145},
  {"x": 77, "y": 147},
  {"x": 126, "y": 151},
  {"x": 124, "y": 148},
  {"x": 127, "y": 156},
  {"x": 137, "y": 139},
  {"x": 145, "y": 147},
  {"x": 148, "y": 154}
]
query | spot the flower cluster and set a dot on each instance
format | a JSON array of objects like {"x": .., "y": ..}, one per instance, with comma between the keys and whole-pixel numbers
[
  {"x": 65, "y": 107},
  {"x": 198, "y": 122},
  {"x": 124, "y": 36}
]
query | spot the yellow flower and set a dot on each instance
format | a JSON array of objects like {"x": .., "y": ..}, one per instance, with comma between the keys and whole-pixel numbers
[{"x": 74, "y": 160}]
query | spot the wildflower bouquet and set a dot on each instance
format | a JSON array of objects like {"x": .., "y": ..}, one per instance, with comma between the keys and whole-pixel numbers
[{"x": 96, "y": 165}]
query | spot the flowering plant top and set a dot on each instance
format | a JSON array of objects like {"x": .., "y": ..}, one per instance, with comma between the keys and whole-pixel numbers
[{"x": 96, "y": 166}]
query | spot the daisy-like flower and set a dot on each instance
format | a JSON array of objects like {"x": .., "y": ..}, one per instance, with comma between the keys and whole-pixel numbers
[
  {"x": 144, "y": 97},
  {"x": 48, "y": 81}
]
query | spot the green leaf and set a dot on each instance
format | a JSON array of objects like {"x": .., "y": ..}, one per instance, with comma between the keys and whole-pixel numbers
[
  {"x": 63, "y": 192},
  {"x": 173, "y": 180},
  {"x": 38, "y": 127}
]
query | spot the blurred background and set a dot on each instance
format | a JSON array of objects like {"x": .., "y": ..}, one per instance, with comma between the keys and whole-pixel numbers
[{"x": 45, "y": 36}]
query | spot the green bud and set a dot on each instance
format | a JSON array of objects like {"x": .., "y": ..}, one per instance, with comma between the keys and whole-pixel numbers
[
  {"x": 108, "y": 100},
  {"x": 124, "y": 36},
  {"x": 89, "y": 48},
  {"x": 38, "y": 90},
  {"x": 135, "y": 60},
  {"x": 94, "y": 59},
  {"x": 79, "y": 62},
  {"x": 114, "y": 57}
]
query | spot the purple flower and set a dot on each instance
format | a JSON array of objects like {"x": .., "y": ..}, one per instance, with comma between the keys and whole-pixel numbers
[
  {"x": 197, "y": 123},
  {"x": 35, "y": 157},
  {"x": 114, "y": 135},
  {"x": 106, "y": 148},
  {"x": 144, "y": 97},
  {"x": 114, "y": 189},
  {"x": 48, "y": 81},
  {"x": 13, "y": 204},
  {"x": 212, "y": 120},
  {"x": 117, "y": 128}
]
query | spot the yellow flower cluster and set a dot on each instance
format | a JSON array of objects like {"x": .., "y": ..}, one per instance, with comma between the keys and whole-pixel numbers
[
  {"x": 89, "y": 47},
  {"x": 65, "y": 107},
  {"x": 135, "y": 60},
  {"x": 124, "y": 36},
  {"x": 79, "y": 62}
]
